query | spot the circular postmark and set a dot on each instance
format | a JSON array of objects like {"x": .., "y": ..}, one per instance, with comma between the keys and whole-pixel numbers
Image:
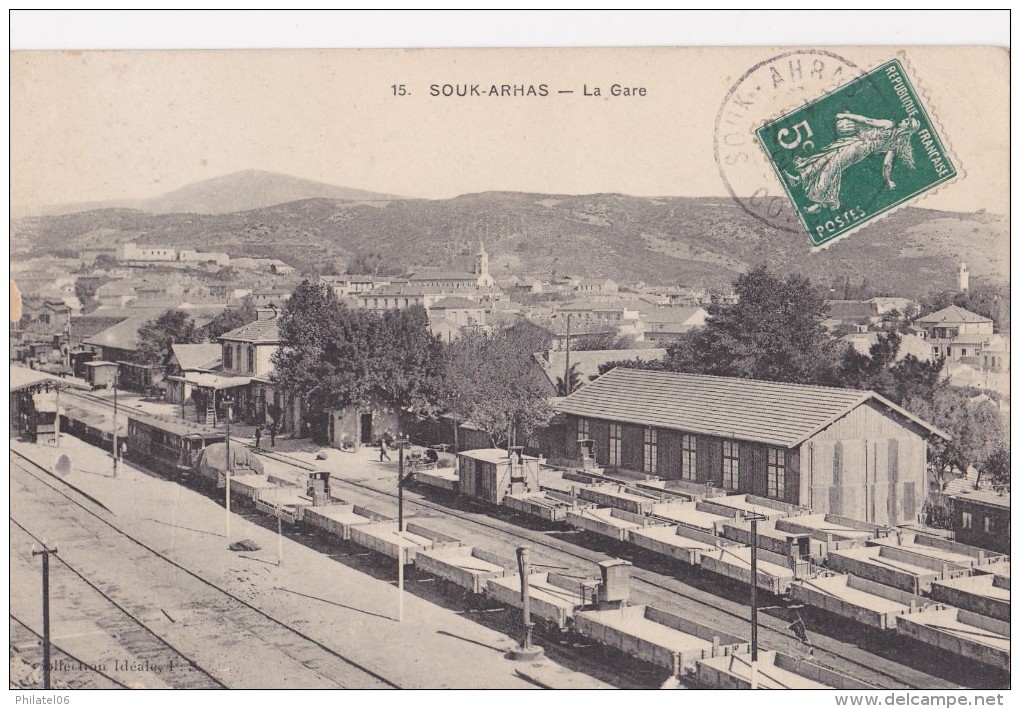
[{"x": 767, "y": 90}]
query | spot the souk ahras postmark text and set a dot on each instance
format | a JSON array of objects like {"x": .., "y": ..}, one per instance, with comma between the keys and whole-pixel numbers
[{"x": 856, "y": 153}]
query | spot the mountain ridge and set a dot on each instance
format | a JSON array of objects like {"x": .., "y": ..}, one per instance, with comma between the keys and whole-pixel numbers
[
  {"x": 236, "y": 191},
  {"x": 695, "y": 241}
]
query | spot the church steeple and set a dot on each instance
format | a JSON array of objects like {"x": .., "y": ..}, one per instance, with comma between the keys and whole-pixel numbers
[
  {"x": 485, "y": 279},
  {"x": 482, "y": 261}
]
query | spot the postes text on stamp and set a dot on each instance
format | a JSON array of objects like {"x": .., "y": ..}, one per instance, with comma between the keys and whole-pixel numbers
[{"x": 857, "y": 152}]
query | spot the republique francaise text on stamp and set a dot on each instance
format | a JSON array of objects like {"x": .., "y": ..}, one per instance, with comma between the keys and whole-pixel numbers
[{"x": 856, "y": 153}]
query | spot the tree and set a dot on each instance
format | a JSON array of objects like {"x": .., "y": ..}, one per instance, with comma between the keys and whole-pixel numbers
[
  {"x": 601, "y": 341},
  {"x": 334, "y": 357},
  {"x": 411, "y": 366},
  {"x": 773, "y": 332},
  {"x": 85, "y": 291},
  {"x": 231, "y": 319},
  {"x": 873, "y": 370},
  {"x": 157, "y": 336},
  {"x": 997, "y": 467},
  {"x": 976, "y": 430},
  {"x": 573, "y": 378},
  {"x": 655, "y": 365},
  {"x": 492, "y": 381},
  {"x": 511, "y": 400}
]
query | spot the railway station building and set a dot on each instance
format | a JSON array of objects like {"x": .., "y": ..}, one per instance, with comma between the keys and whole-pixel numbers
[{"x": 840, "y": 451}]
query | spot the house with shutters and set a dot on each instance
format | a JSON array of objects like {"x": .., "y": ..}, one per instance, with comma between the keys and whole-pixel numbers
[{"x": 841, "y": 451}]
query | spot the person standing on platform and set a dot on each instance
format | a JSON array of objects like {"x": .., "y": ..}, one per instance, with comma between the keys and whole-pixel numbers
[{"x": 258, "y": 436}]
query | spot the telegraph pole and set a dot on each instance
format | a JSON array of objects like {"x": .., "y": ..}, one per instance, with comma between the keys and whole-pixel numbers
[
  {"x": 56, "y": 427},
  {"x": 228, "y": 402},
  {"x": 115, "y": 460},
  {"x": 566, "y": 372},
  {"x": 754, "y": 518},
  {"x": 45, "y": 553},
  {"x": 401, "y": 442},
  {"x": 400, "y": 484}
]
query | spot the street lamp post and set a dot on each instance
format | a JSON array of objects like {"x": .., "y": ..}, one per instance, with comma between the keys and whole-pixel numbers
[
  {"x": 227, "y": 403},
  {"x": 45, "y": 553}
]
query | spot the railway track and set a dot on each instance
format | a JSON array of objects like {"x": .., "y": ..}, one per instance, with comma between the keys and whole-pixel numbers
[
  {"x": 665, "y": 590},
  {"x": 214, "y": 607},
  {"x": 72, "y": 671}
]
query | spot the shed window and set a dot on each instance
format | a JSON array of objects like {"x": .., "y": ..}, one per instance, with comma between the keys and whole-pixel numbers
[
  {"x": 651, "y": 450},
  {"x": 730, "y": 464},
  {"x": 583, "y": 428},
  {"x": 615, "y": 441},
  {"x": 688, "y": 457},
  {"x": 251, "y": 358},
  {"x": 777, "y": 473},
  {"x": 968, "y": 520},
  {"x": 228, "y": 356},
  {"x": 989, "y": 525}
]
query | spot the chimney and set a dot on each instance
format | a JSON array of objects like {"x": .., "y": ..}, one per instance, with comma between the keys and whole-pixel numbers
[{"x": 266, "y": 313}]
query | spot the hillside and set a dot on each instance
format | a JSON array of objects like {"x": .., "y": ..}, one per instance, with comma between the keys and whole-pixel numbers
[
  {"x": 239, "y": 191},
  {"x": 670, "y": 240}
]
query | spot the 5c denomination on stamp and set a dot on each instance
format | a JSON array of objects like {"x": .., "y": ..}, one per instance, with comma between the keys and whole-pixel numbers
[{"x": 856, "y": 152}]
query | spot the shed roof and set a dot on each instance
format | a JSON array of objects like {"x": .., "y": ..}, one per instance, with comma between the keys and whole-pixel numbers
[
  {"x": 986, "y": 497},
  {"x": 490, "y": 455},
  {"x": 776, "y": 413},
  {"x": 23, "y": 378},
  {"x": 952, "y": 314}
]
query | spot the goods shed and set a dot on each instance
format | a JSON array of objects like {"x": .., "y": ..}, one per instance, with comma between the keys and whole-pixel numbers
[{"x": 842, "y": 451}]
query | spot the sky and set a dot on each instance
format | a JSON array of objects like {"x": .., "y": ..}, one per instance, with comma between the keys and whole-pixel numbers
[{"x": 99, "y": 125}]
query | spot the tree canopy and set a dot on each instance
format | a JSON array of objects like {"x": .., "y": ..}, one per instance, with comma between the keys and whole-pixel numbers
[
  {"x": 157, "y": 336},
  {"x": 773, "y": 332},
  {"x": 231, "y": 319},
  {"x": 335, "y": 357},
  {"x": 491, "y": 380}
]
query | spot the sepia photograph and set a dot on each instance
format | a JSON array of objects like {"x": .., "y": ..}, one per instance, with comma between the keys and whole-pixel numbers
[{"x": 500, "y": 368}]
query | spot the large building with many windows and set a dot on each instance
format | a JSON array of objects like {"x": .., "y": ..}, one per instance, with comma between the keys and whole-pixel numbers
[{"x": 840, "y": 451}]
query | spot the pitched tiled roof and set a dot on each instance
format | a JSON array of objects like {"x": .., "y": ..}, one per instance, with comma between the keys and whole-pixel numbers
[
  {"x": 741, "y": 409},
  {"x": 457, "y": 303},
  {"x": 258, "y": 331},
  {"x": 203, "y": 356},
  {"x": 122, "y": 336},
  {"x": 673, "y": 315},
  {"x": 852, "y": 309},
  {"x": 952, "y": 314}
]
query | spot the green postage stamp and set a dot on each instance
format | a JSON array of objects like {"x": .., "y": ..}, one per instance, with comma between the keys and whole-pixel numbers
[{"x": 856, "y": 153}]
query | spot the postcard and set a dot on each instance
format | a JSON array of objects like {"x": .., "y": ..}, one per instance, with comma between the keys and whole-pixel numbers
[{"x": 510, "y": 368}]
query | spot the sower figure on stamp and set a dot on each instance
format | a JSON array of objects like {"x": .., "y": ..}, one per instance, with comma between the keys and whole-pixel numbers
[{"x": 859, "y": 137}]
